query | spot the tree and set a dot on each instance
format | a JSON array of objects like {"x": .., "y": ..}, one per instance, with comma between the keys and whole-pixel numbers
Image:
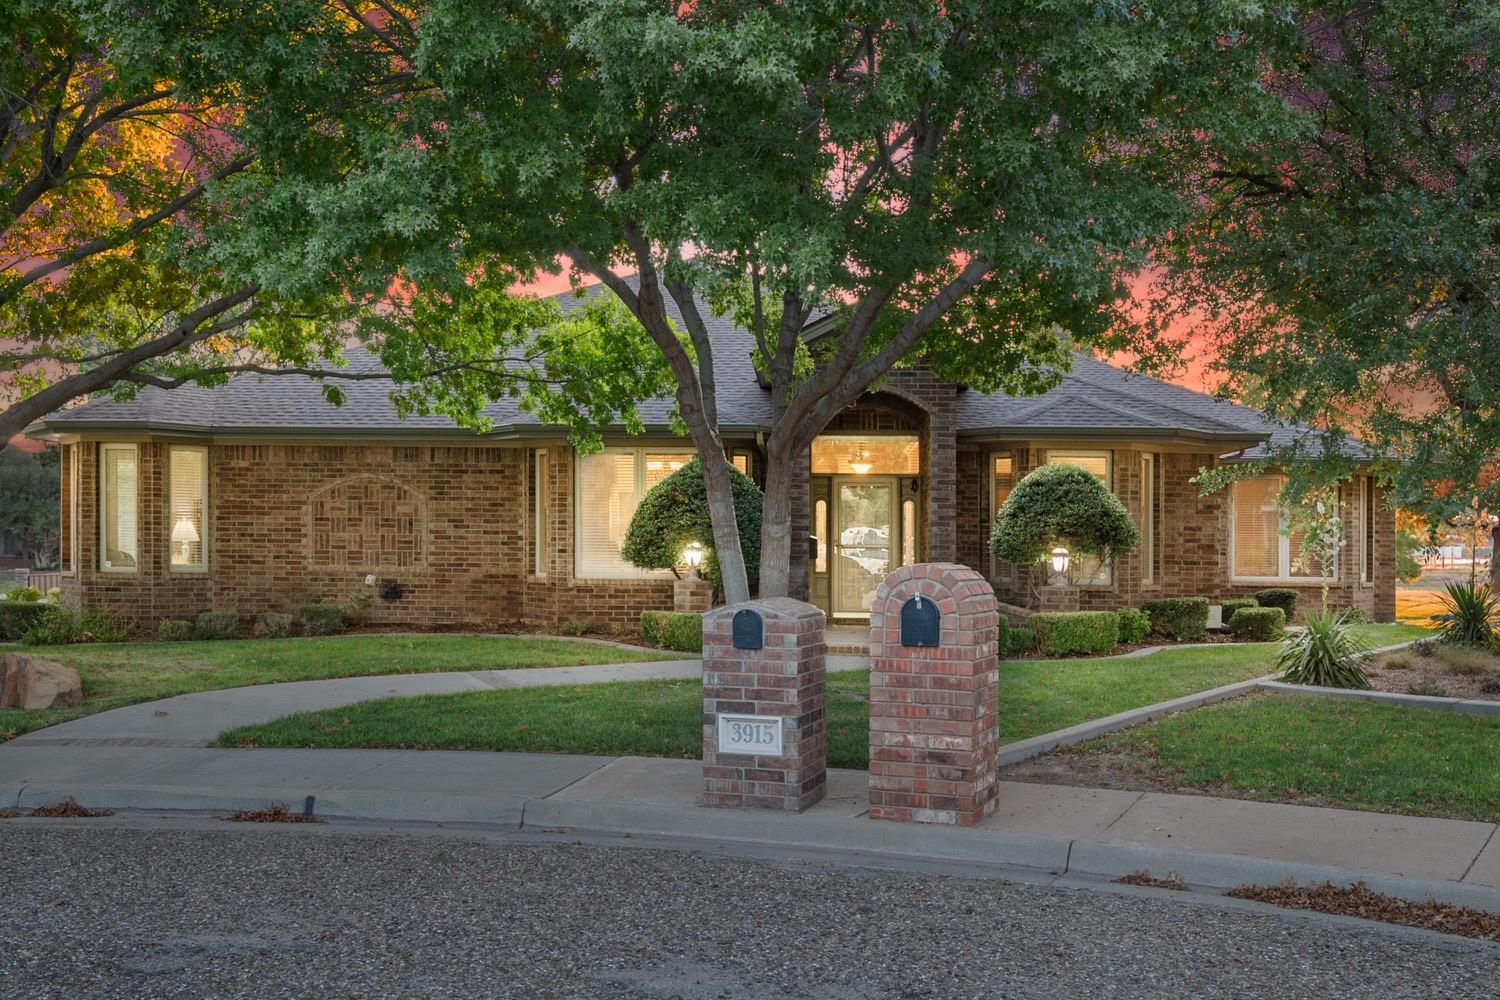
[
  {"x": 675, "y": 512},
  {"x": 1346, "y": 264},
  {"x": 30, "y": 502},
  {"x": 1062, "y": 505},
  {"x": 951, "y": 182}
]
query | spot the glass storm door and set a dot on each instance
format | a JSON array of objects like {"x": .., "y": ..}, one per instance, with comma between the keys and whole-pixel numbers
[{"x": 863, "y": 542}]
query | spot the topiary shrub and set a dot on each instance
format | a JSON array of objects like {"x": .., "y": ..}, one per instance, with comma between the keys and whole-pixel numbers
[
  {"x": 1233, "y": 604},
  {"x": 1019, "y": 640},
  {"x": 321, "y": 619},
  {"x": 1059, "y": 633},
  {"x": 1135, "y": 625},
  {"x": 674, "y": 512},
  {"x": 1183, "y": 618},
  {"x": 274, "y": 625},
  {"x": 1258, "y": 624},
  {"x": 18, "y": 616},
  {"x": 24, "y": 595},
  {"x": 1284, "y": 598},
  {"x": 1062, "y": 505},
  {"x": 217, "y": 625},
  {"x": 174, "y": 630},
  {"x": 673, "y": 630}
]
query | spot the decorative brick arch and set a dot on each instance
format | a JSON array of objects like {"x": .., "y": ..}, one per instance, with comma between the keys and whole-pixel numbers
[
  {"x": 934, "y": 709},
  {"x": 367, "y": 522}
]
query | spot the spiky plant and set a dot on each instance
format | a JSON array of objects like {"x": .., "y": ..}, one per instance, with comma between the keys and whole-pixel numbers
[
  {"x": 1324, "y": 653},
  {"x": 1470, "y": 614}
]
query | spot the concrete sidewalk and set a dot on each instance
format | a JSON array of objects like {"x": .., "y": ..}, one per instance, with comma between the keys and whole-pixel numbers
[
  {"x": 1044, "y": 829},
  {"x": 196, "y": 720}
]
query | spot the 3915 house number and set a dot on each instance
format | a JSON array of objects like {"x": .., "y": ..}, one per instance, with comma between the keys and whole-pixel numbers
[{"x": 751, "y": 734}]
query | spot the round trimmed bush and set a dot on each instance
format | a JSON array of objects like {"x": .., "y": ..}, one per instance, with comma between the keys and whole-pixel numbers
[
  {"x": 674, "y": 513},
  {"x": 1258, "y": 624},
  {"x": 1230, "y": 605},
  {"x": 1062, "y": 505},
  {"x": 1059, "y": 633},
  {"x": 1284, "y": 598},
  {"x": 1184, "y": 618}
]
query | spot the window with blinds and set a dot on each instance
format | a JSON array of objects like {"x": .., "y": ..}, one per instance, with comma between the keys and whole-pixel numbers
[
  {"x": 119, "y": 509},
  {"x": 611, "y": 484},
  {"x": 541, "y": 512},
  {"x": 1263, "y": 549},
  {"x": 187, "y": 484},
  {"x": 1148, "y": 518},
  {"x": 1089, "y": 570},
  {"x": 1002, "y": 481}
]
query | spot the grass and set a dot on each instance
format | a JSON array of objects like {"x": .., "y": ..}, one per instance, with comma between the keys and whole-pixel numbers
[
  {"x": 664, "y": 718},
  {"x": 118, "y": 674},
  {"x": 1320, "y": 751}
]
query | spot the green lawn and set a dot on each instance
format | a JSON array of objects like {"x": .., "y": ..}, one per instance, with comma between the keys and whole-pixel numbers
[
  {"x": 1319, "y": 751},
  {"x": 663, "y": 718},
  {"x": 118, "y": 674}
]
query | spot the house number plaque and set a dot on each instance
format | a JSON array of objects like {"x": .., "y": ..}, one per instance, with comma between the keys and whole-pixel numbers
[{"x": 757, "y": 735}]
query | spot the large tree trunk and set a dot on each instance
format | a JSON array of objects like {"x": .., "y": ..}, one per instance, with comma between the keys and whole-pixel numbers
[
  {"x": 726, "y": 526},
  {"x": 776, "y": 528}
]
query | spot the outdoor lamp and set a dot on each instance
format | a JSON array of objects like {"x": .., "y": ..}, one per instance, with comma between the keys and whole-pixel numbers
[
  {"x": 693, "y": 556},
  {"x": 1060, "y": 560},
  {"x": 184, "y": 535}
]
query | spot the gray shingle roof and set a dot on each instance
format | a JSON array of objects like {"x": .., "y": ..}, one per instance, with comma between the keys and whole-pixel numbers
[{"x": 1093, "y": 398}]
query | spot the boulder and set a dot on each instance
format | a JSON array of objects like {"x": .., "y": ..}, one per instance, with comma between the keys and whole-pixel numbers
[{"x": 30, "y": 682}]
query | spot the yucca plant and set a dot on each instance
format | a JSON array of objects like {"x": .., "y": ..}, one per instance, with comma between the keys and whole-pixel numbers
[
  {"x": 1470, "y": 614},
  {"x": 1324, "y": 653}
]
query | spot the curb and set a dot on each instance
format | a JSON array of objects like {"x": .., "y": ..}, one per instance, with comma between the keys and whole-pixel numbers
[{"x": 1462, "y": 706}]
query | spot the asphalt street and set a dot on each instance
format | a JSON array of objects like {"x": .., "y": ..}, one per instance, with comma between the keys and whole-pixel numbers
[{"x": 94, "y": 908}]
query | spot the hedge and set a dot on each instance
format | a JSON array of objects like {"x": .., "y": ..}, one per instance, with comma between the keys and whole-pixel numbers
[
  {"x": 1279, "y": 597},
  {"x": 1059, "y": 633},
  {"x": 321, "y": 619},
  {"x": 1229, "y": 606},
  {"x": 217, "y": 625},
  {"x": 1019, "y": 640},
  {"x": 274, "y": 625},
  {"x": 174, "y": 630},
  {"x": 673, "y": 630},
  {"x": 1178, "y": 617},
  {"x": 18, "y": 616},
  {"x": 1258, "y": 624},
  {"x": 1135, "y": 625}
]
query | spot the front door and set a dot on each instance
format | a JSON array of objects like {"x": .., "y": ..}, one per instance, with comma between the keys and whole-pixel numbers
[{"x": 864, "y": 540}]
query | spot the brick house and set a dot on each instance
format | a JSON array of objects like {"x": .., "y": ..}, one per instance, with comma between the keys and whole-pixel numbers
[{"x": 259, "y": 495}]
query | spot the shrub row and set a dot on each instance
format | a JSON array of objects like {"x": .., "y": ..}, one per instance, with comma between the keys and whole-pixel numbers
[
  {"x": 682, "y": 630},
  {"x": 1257, "y": 624},
  {"x": 1183, "y": 618},
  {"x": 314, "y": 619},
  {"x": 1059, "y": 633},
  {"x": 18, "y": 616}
]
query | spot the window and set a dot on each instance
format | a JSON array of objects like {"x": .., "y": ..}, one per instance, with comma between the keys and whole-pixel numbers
[
  {"x": 1002, "y": 480},
  {"x": 187, "y": 482},
  {"x": 1261, "y": 547},
  {"x": 119, "y": 544},
  {"x": 1148, "y": 518},
  {"x": 1367, "y": 525},
  {"x": 611, "y": 484},
  {"x": 541, "y": 512},
  {"x": 741, "y": 460},
  {"x": 71, "y": 564},
  {"x": 1088, "y": 570},
  {"x": 908, "y": 532},
  {"x": 820, "y": 529}
]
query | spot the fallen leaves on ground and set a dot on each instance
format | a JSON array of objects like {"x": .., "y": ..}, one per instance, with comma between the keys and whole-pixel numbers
[
  {"x": 278, "y": 813},
  {"x": 1360, "y": 900},
  {"x": 69, "y": 809},
  {"x": 1143, "y": 877}
]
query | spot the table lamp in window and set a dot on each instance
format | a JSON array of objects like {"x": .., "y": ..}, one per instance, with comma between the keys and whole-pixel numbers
[{"x": 184, "y": 537}]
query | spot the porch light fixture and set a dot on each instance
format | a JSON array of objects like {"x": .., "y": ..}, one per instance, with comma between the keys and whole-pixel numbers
[
  {"x": 693, "y": 556},
  {"x": 185, "y": 536},
  {"x": 860, "y": 462},
  {"x": 1060, "y": 561}
]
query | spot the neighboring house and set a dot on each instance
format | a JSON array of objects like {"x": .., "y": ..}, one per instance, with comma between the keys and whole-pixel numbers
[{"x": 259, "y": 495}]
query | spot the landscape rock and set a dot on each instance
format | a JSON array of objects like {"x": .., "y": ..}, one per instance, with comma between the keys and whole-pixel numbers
[{"x": 31, "y": 683}]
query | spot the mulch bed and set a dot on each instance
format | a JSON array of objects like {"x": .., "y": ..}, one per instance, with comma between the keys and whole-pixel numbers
[
  {"x": 1409, "y": 672},
  {"x": 277, "y": 813},
  {"x": 1361, "y": 901},
  {"x": 69, "y": 809}
]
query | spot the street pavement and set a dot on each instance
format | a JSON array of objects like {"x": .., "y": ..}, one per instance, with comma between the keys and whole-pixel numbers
[{"x": 104, "y": 908}]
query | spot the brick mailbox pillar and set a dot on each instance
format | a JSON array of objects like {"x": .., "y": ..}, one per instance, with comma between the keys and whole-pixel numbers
[
  {"x": 934, "y": 695},
  {"x": 764, "y": 741}
]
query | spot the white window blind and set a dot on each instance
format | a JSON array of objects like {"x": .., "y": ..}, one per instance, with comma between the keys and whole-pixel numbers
[
  {"x": 1148, "y": 518},
  {"x": 611, "y": 484},
  {"x": 187, "y": 475},
  {"x": 541, "y": 512},
  {"x": 119, "y": 509},
  {"x": 1263, "y": 549}
]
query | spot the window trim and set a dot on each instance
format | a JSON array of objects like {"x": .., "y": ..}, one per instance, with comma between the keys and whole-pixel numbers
[
  {"x": 1366, "y": 530},
  {"x": 639, "y": 452},
  {"x": 75, "y": 480},
  {"x": 173, "y": 567},
  {"x": 135, "y": 451},
  {"x": 990, "y": 457},
  {"x": 1283, "y": 546},
  {"x": 540, "y": 473},
  {"x": 1148, "y": 518}
]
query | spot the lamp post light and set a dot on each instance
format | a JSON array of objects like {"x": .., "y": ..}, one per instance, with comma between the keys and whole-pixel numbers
[
  {"x": 693, "y": 556},
  {"x": 1061, "y": 560}
]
